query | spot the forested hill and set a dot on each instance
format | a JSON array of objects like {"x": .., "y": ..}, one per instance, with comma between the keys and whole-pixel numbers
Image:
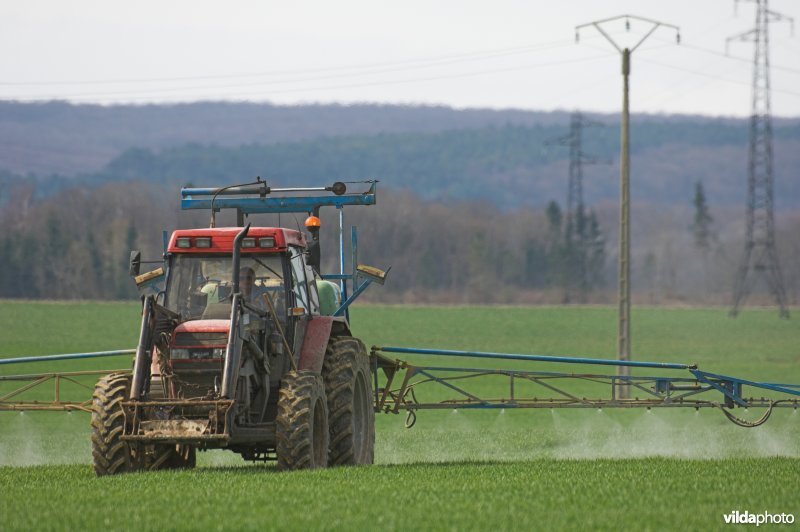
[
  {"x": 507, "y": 165},
  {"x": 510, "y": 156},
  {"x": 61, "y": 138}
]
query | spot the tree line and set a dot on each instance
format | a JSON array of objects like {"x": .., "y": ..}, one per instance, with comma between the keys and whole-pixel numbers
[{"x": 76, "y": 246}]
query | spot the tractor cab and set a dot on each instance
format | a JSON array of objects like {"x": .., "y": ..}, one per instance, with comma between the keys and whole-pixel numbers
[{"x": 272, "y": 273}]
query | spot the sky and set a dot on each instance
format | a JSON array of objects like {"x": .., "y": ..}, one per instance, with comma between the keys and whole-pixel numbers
[{"x": 494, "y": 54}]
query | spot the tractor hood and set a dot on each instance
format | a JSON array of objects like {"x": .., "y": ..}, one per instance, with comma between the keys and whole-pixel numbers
[
  {"x": 203, "y": 326},
  {"x": 200, "y": 334}
]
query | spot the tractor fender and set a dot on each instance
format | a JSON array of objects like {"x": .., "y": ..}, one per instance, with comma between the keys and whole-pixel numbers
[{"x": 315, "y": 340}]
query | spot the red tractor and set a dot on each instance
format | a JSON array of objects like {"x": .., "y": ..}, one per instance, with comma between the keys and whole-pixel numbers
[{"x": 244, "y": 345}]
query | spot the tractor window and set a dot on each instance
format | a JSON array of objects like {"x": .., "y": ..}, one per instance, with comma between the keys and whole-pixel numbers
[
  {"x": 299, "y": 282},
  {"x": 312, "y": 276},
  {"x": 200, "y": 286}
]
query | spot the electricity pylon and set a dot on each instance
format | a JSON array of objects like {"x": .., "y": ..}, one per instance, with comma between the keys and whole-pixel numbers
[
  {"x": 576, "y": 218},
  {"x": 760, "y": 256}
]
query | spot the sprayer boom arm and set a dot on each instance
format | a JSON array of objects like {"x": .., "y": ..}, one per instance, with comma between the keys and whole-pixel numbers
[{"x": 421, "y": 386}]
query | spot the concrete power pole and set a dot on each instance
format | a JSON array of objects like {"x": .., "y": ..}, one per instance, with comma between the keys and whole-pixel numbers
[
  {"x": 760, "y": 257},
  {"x": 624, "y": 296}
]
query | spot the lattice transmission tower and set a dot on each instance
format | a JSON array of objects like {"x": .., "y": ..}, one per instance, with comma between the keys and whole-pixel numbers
[
  {"x": 576, "y": 216},
  {"x": 577, "y": 158},
  {"x": 760, "y": 256}
]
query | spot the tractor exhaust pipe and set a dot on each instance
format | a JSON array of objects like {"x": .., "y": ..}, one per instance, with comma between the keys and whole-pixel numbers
[
  {"x": 141, "y": 366},
  {"x": 233, "y": 349},
  {"x": 237, "y": 254},
  {"x": 233, "y": 352}
]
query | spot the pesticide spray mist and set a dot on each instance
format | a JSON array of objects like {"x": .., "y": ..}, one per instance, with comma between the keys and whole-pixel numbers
[
  {"x": 61, "y": 438},
  {"x": 519, "y": 435},
  {"x": 55, "y": 438},
  {"x": 684, "y": 433},
  {"x": 44, "y": 438}
]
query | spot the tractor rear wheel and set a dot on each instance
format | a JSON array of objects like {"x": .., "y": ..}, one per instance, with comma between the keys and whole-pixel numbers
[
  {"x": 110, "y": 455},
  {"x": 302, "y": 422},
  {"x": 348, "y": 386}
]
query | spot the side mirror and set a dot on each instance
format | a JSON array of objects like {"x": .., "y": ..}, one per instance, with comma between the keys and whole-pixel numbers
[
  {"x": 135, "y": 263},
  {"x": 373, "y": 274},
  {"x": 150, "y": 283}
]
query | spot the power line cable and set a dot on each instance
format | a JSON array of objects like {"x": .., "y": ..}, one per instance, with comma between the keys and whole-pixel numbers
[
  {"x": 672, "y": 93},
  {"x": 155, "y": 92},
  {"x": 704, "y": 74},
  {"x": 413, "y": 63},
  {"x": 733, "y": 57}
]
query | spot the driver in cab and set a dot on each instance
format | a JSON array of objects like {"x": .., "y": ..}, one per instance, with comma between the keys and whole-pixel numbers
[{"x": 252, "y": 294}]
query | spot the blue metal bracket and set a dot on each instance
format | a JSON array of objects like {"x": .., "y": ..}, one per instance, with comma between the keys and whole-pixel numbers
[
  {"x": 363, "y": 286},
  {"x": 368, "y": 275},
  {"x": 731, "y": 387},
  {"x": 262, "y": 205}
]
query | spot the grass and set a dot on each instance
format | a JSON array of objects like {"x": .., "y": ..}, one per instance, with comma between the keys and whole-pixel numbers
[
  {"x": 42, "y": 328},
  {"x": 621, "y": 470},
  {"x": 644, "y": 494}
]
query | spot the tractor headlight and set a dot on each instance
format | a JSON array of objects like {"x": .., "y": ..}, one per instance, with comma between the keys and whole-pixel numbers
[
  {"x": 248, "y": 242},
  {"x": 207, "y": 354},
  {"x": 179, "y": 354},
  {"x": 200, "y": 354},
  {"x": 197, "y": 354}
]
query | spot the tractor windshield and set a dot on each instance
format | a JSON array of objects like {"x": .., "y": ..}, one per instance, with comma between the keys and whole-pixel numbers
[{"x": 199, "y": 287}]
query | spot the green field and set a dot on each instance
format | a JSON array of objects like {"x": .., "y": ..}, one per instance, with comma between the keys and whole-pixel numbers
[{"x": 523, "y": 470}]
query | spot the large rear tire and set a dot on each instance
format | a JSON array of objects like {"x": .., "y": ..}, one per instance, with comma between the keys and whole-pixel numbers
[
  {"x": 302, "y": 422},
  {"x": 348, "y": 386},
  {"x": 110, "y": 455}
]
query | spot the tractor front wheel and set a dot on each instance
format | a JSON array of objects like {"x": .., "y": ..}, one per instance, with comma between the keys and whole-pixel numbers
[
  {"x": 348, "y": 387},
  {"x": 110, "y": 455},
  {"x": 302, "y": 422}
]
